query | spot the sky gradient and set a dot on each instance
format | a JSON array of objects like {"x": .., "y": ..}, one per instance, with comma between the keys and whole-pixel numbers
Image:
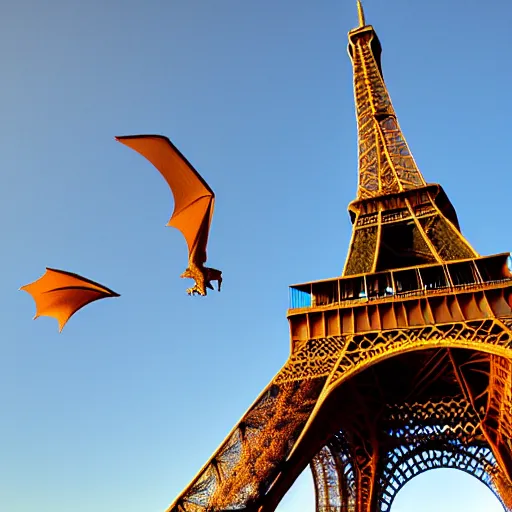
[{"x": 122, "y": 409}]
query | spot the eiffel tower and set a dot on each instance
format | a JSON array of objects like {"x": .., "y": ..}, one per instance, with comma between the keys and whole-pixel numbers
[{"x": 401, "y": 365}]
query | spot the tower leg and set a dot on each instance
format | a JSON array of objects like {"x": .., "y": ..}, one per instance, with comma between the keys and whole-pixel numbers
[
  {"x": 497, "y": 421},
  {"x": 365, "y": 472},
  {"x": 493, "y": 405}
]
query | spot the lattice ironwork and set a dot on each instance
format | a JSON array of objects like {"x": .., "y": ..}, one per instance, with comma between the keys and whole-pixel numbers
[
  {"x": 484, "y": 335},
  {"x": 406, "y": 463},
  {"x": 385, "y": 163},
  {"x": 245, "y": 465},
  {"x": 351, "y": 353},
  {"x": 448, "y": 417},
  {"x": 402, "y": 365},
  {"x": 436, "y": 434},
  {"x": 415, "y": 438},
  {"x": 329, "y": 484}
]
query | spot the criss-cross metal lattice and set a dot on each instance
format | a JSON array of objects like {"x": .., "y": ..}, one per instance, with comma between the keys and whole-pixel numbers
[
  {"x": 401, "y": 365},
  {"x": 477, "y": 461},
  {"x": 442, "y": 434},
  {"x": 431, "y": 448}
]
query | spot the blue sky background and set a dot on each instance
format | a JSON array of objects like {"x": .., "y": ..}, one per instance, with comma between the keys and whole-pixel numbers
[{"x": 122, "y": 409}]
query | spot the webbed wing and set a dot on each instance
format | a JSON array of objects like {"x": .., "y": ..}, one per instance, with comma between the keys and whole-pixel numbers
[
  {"x": 193, "y": 198},
  {"x": 60, "y": 294}
]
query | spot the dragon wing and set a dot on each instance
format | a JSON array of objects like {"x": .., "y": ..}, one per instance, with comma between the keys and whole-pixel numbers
[
  {"x": 60, "y": 294},
  {"x": 193, "y": 198}
]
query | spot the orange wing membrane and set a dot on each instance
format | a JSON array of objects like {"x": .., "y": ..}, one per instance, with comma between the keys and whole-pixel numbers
[
  {"x": 61, "y": 294},
  {"x": 193, "y": 204}
]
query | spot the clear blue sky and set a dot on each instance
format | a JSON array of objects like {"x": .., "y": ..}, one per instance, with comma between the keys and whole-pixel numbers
[{"x": 121, "y": 410}]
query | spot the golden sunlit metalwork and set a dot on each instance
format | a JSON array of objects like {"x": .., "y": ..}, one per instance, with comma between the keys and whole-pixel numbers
[
  {"x": 360, "y": 13},
  {"x": 401, "y": 365}
]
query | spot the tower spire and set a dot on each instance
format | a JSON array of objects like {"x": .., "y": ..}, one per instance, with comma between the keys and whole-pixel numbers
[
  {"x": 360, "y": 12},
  {"x": 386, "y": 164},
  {"x": 399, "y": 220}
]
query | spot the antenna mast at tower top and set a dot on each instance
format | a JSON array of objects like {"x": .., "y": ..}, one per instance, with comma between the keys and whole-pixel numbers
[{"x": 360, "y": 13}]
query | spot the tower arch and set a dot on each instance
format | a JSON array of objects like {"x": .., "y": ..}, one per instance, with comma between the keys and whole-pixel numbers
[{"x": 407, "y": 463}]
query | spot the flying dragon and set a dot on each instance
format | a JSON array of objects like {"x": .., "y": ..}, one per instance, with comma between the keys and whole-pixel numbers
[
  {"x": 60, "y": 294},
  {"x": 193, "y": 204}
]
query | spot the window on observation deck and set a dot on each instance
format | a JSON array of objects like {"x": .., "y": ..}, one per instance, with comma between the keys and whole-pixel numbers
[
  {"x": 406, "y": 281},
  {"x": 352, "y": 288},
  {"x": 325, "y": 293},
  {"x": 379, "y": 285},
  {"x": 433, "y": 277},
  {"x": 495, "y": 268},
  {"x": 463, "y": 273},
  {"x": 300, "y": 296}
]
